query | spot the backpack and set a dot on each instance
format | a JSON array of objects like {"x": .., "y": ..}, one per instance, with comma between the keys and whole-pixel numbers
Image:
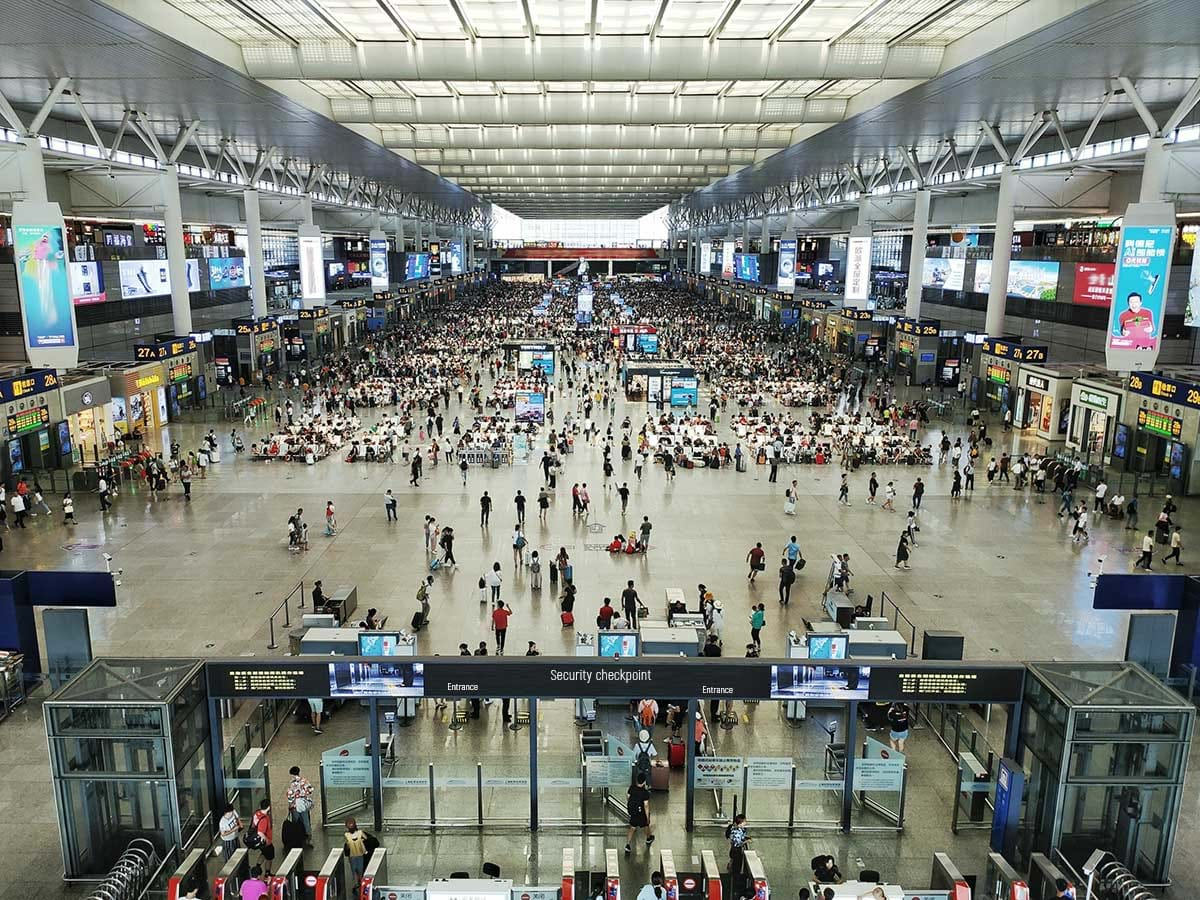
[
  {"x": 647, "y": 715},
  {"x": 422, "y": 592},
  {"x": 641, "y": 762}
]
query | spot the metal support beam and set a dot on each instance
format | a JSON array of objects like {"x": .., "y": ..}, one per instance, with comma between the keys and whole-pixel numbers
[
  {"x": 1095, "y": 123},
  {"x": 35, "y": 127},
  {"x": 1186, "y": 105},
  {"x": 1139, "y": 105},
  {"x": 185, "y": 134},
  {"x": 997, "y": 141}
]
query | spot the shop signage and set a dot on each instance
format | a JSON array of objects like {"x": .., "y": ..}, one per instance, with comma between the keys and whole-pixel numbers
[
  {"x": 1038, "y": 384},
  {"x": 266, "y": 345},
  {"x": 921, "y": 328},
  {"x": 1181, "y": 392},
  {"x": 1015, "y": 352},
  {"x": 352, "y": 303},
  {"x": 180, "y": 372},
  {"x": 29, "y": 420},
  {"x": 18, "y": 386},
  {"x": 1094, "y": 399},
  {"x": 164, "y": 349},
  {"x": 319, "y": 312},
  {"x": 149, "y": 379},
  {"x": 862, "y": 315},
  {"x": 1148, "y": 420},
  {"x": 772, "y": 772},
  {"x": 718, "y": 771}
]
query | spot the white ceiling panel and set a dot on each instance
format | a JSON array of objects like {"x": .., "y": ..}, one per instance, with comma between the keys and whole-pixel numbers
[
  {"x": 691, "y": 18},
  {"x": 561, "y": 16},
  {"x": 429, "y": 18},
  {"x": 495, "y": 18}
]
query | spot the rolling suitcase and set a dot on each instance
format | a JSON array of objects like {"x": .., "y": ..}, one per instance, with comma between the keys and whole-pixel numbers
[
  {"x": 418, "y": 621},
  {"x": 660, "y": 778},
  {"x": 568, "y": 619},
  {"x": 676, "y": 752}
]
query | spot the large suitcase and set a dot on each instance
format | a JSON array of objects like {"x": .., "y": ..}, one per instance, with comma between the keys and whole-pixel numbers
[
  {"x": 676, "y": 752},
  {"x": 660, "y": 778},
  {"x": 418, "y": 621},
  {"x": 568, "y": 619}
]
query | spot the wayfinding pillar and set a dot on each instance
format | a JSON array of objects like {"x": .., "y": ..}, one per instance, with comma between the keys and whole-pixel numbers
[
  {"x": 916, "y": 257},
  {"x": 181, "y": 308},
  {"x": 1001, "y": 252},
  {"x": 254, "y": 254}
]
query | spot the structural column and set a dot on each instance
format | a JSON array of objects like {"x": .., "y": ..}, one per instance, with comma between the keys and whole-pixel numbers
[
  {"x": 254, "y": 255},
  {"x": 764, "y": 241},
  {"x": 181, "y": 307},
  {"x": 1154, "y": 171},
  {"x": 916, "y": 255},
  {"x": 1001, "y": 252},
  {"x": 33, "y": 171},
  {"x": 746, "y": 235},
  {"x": 306, "y": 209},
  {"x": 399, "y": 234}
]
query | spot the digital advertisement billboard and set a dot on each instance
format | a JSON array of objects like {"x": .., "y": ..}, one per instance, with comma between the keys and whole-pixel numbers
[
  {"x": 1033, "y": 279},
  {"x": 705, "y": 257},
  {"x": 727, "y": 254},
  {"x": 858, "y": 268},
  {"x": 87, "y": 283},
  {"x": 530, "y": 406},
  {"x": 1191, "y": 316},
  {"x": 934, "y": 272},
  {"x": 454, "y": 252},
  {"x": 312, "y": 265},
  {"x": 1139, "y": 290},
  {"x": 954, "y": 276},
  {"x": 379, "y": 263},
  {"x": 416, "y": 265},
  {"x": 785, "y": 276},
  {"x": 685, "y": 391},
  {"x": 142, "y": 278},
  {"x": 583, "y": 308},
  {"x": 1094, "y": 284},
  {"x": 746, "y": 265},
  {"x": 40, "y": 251},
  {"x": 228, "y": 272}
]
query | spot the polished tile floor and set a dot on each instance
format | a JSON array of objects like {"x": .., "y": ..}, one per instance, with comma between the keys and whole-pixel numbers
[{"x": 201, "y": 579}]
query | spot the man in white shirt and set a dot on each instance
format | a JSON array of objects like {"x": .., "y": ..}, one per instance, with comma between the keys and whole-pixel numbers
[
  {"x": 1147, "y": 551},
  {"x": 1101, "y": 491}
]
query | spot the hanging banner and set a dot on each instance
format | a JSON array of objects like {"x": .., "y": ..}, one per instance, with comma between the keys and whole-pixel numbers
[
  {"x": 727, "y": 251},
  {"x": 705, "y": 257},
  {"x": 1191, "y": 316},
  {"x": 858, "y": 267},
  {"x": 312, "y": 265},
  {"x": 785, "y": 275},
  {"x": 379, "y": 261},
  {"x": 43, "y": 285},
  {"x": 1140, "y": 287}
]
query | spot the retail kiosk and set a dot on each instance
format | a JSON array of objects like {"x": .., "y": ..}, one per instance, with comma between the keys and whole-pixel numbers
[
  {"x": 529, "y": 355},
  {"x": 1044, "y": 399},
  {"x": 1096, "y": 402},
  {"x": 667, "y": 383}
]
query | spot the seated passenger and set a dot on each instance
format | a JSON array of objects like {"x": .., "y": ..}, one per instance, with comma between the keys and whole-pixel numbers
[
  {"x": 825, "y": 870},
  {"x": 617, "y": 545}
]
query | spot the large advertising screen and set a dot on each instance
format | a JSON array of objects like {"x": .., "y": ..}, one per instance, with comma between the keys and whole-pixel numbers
[
  {"x": 785, "y": 275},
  {"x": 416, "y": 265},
  {"x": 705, "y": 257},
  {"x": 376, "y": 679},
  {"x": 954, "y": 276},
  {"x": 531, "y": 406},
  {"x": 1033, "y": 279},
  {"x": 747, "y": 266},
  {"x": 454, "y": 251},
  {"x": 312, "y": 268},
  {"x": 935, "y": 272},
  {"x": 40, "y": 251},
  {"x": 228, "y": 272},
  {"x": 87, "y": 283},
  {"x": 858, "y": 268},
  {"x": 685, "y": 391},
  {"x": 379, "y": 264},
  {"x": 1094, "y": 284},
  {"x": 142, "y": 278},
  {"x": 727, "y": 254},
  {"x": 1139, "y": 288},
  {"x": 583, "y": 308}
]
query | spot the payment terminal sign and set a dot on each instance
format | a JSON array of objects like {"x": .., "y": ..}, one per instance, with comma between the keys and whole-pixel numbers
[{"x": 1140, "y": 287}]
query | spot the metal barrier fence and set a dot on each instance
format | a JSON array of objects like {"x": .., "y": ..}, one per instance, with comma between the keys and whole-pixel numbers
[
  {"x": 132, "y": 874},
  {"x": 287, "y": 618},
  {"x": 896, "y": 617}
]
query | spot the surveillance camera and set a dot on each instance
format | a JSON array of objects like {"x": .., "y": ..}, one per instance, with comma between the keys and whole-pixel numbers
[{"x": 108, "y": 557}]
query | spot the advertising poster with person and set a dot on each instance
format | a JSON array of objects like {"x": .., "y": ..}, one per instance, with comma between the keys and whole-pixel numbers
[
  {"x": 727, "y": 253},
  {"x": 228, "y": 272},
  {"x": 379, "y": 264},
  {"x": 40, "y": 253},
  {"x": 1143, "y": 260},
  {"x": 785, "y": 277}
]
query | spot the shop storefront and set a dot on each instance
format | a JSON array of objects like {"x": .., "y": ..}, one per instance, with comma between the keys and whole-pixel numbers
[
  {"x": 994, "y": 385},
  {"x": 87, "y": 407},
  {"x": 1044, "y": 400},
  {"x": 1159, "y": 430},
  {"x": 139, "y": 398},
  {"x": 183, "y": 374},
  {"x": 35, "y": 433},
  {"x": 1096, "y": 403}
]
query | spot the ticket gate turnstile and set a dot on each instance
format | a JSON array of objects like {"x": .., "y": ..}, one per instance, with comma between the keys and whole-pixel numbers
[
  {"x": 285, "y": 883},
  {"x": 228, "y": 883},
  {"x": 194, "y": 870},
  {"x": 612, "y": 876},
  {"x": 757, "y": 876},
  {"x": 1042, "y": 875},
  {"x": 331, "y": 879},
  {"x": 711, "y": 873},
  {"x": 1002, "y": 881},
  {"x": 374, "y": 873},
  {"x": 946, "y": 877}
]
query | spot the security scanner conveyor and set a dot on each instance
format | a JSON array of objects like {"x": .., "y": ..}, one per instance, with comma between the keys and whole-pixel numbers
[
  {"x": 193, "y": 870},
  {"x": 1001, "y": 881},
  {"x": 228, "y": 883},
  {"x": 285, "y": 882}
]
